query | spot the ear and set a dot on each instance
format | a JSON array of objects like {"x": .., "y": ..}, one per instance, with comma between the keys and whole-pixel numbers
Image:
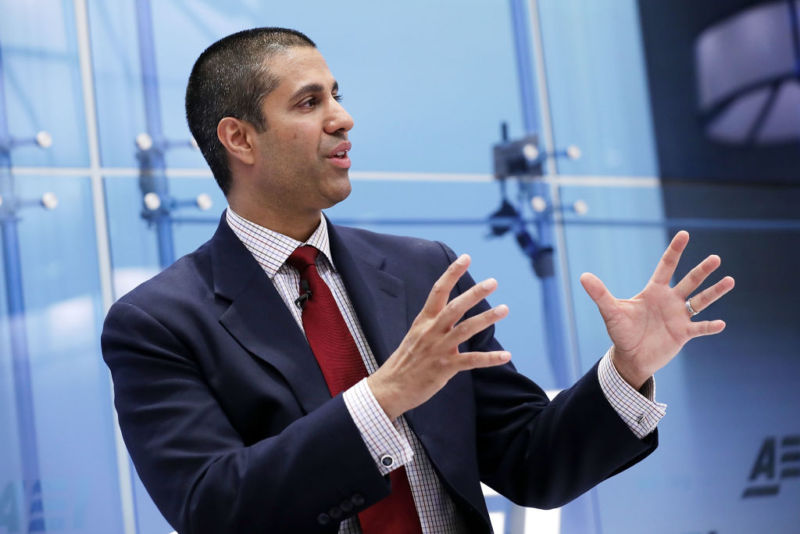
[{"x": 237, "y": 137}]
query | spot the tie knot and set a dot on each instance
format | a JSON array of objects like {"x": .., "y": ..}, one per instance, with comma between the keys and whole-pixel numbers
[{"x": 302, "y": 257}]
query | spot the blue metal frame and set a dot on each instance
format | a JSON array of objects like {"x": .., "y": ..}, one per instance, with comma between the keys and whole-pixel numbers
[
  {"x": 15, "y": 306},
  {"x": 152, "y": 165},
  {"x": 772, "y": 225},
  {"x": 582, "y": 514},
  {"x": 557, "y": 336},
  {"x": 526, "y": 77}
]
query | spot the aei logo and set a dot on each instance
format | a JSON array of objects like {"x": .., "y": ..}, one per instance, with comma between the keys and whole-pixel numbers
[{"x": 776, "y": 461}]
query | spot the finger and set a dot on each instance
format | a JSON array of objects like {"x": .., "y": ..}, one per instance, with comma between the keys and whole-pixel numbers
[
  {"x": 669, "y": 260},
  {"x": 457, "y": 307},
  {"x": 695, "y": 277},
  {"x": 440, "y": 292},
  {"x": 710, "y": 295},
  {"x": 476, "y": 360},
  {"x": 706, "y": 328},
  {"x": 598, "y": 293},
  {"x": 469, "y": 327}
]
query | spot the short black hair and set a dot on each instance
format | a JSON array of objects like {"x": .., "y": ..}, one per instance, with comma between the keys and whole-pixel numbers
[{"x": 230, "y": 79}]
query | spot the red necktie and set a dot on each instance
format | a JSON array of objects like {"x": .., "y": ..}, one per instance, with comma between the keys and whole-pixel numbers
[{"x": 342, "y": 367}]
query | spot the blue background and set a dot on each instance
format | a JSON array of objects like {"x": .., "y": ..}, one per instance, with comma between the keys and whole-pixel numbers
[{"x": 428, "y": 84}]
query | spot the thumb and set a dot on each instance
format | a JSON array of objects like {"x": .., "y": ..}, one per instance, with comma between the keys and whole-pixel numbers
[{"x": 598, "y": 293}]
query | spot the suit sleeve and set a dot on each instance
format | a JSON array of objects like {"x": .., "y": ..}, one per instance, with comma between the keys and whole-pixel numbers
[
  {"x": 540, "y": 453},
  {"x": 204, "y": 478}
]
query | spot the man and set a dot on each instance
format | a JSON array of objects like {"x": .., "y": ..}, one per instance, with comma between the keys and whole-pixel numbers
[{"x": 295, "y": 376}]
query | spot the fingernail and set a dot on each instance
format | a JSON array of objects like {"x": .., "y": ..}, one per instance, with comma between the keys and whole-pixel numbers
[
  {"x": 501, "y": 310},
  {"x": 489, "y": 284},
  {"x": 463, "y": 259}
]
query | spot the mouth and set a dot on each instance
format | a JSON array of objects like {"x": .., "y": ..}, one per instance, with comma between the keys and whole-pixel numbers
[
  {"x": 341, "y": 150},
  {"x": 338, "y": 156}
]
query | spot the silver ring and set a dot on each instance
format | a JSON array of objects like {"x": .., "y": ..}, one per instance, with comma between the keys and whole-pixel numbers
[{"x": 689, "y": 308}]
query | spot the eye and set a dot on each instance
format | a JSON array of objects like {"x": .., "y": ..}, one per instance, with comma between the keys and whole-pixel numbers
[
  {"x": 338, "y": 97},
  {"x": 309, "y": 102}
]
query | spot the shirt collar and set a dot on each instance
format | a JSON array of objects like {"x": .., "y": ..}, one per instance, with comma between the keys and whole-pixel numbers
[{"x": 270, "y": 248}]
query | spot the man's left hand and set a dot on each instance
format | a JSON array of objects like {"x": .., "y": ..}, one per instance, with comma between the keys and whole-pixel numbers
[{"x": 649, "y": 329}]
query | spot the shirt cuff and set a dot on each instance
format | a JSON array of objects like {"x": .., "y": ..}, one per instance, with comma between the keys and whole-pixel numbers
[
  {"x": 387, "y": 446},
  {"x": 638, "y": 409}
]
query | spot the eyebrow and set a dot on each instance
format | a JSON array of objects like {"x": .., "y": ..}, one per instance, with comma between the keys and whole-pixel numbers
[{"x": 313, "y": 88}]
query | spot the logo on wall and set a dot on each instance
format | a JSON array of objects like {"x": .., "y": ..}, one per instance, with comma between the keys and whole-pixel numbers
[{"x": 776, "y": 461}]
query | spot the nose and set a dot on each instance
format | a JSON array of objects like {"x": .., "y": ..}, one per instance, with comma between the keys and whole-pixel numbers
[{"x": 339, "y": 120}]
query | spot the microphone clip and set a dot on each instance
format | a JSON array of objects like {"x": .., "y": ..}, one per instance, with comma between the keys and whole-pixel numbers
[{"x": 305, "y": 295}]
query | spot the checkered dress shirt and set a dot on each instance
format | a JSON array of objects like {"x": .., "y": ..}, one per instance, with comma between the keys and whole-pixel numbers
[{"x": 382, "y": 437}]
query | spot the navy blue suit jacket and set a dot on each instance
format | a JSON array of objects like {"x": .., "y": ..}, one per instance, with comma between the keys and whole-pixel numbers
[{"x": 231, "y": 427}]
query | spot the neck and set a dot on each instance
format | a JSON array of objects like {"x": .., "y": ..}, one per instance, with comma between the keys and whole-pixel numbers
[{"x": 298, "y": 226}]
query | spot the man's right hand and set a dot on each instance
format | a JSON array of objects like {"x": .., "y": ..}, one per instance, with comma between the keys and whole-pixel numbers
[{"x": 428, "y": 356}]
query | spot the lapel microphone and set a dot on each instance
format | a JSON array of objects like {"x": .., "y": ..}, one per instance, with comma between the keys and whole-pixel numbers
[{"x": 300, "y": 301}]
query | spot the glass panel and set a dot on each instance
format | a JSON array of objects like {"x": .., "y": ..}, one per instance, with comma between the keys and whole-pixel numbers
[
  {"x": 194, "y": 226},
  {"x": 118, "y": 81},
  {"x": 134, "y": 251},
  {"x": 598, "y": 87},
  {"x": 134, "y": 240},
  {"x": 68, "y": 393},
  {"x": 41, "y": 72}
]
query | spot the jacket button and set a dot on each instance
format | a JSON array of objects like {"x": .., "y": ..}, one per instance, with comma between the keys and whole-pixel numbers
[
  {"x": 323, "y": 519},
  {"x": 335, "y": 512},
  {"x": 357, "y": 499},
  {"x": 346, "y": 506}
]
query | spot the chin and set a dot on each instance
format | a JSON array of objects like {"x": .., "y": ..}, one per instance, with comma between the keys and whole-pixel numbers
[{"x": 339, "y": 193}]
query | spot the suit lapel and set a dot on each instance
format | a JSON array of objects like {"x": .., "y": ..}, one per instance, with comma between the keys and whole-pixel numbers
[
  {"x": 378, "y": 297},
  {"x": 257, "y": 317}
]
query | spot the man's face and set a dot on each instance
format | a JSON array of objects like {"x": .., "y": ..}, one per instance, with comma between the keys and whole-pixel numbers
[{"x": 302, "y": 155}]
